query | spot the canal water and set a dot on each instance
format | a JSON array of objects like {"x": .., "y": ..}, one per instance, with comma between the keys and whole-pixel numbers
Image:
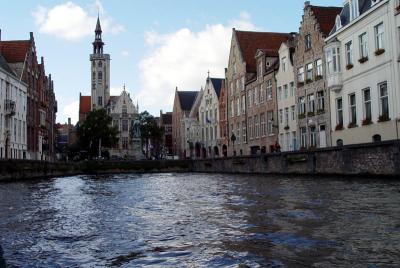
[{"x": 198, "y": 220}]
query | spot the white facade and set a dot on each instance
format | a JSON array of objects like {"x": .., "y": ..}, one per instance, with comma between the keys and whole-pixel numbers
[
  {"x": 190, "y": 129},
  {"x": 123, "y": 113},
  {"x": 363, "y": 75},
  {"x": 286, "y": 91},
  {"x": 209, "y": 118},
  {"x": 13, "y": 101}
]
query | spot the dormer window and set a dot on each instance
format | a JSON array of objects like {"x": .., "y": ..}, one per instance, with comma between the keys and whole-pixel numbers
[
  {"x": 338, "y": 22},
  {"x": 284, "y": 64},
  {"x": 354, "y": 11},
  {"x": 307, "y": 41}
]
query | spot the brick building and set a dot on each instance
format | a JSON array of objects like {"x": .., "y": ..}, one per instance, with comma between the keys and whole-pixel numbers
[
  {"x": 223, "y": 120},
  {"x": 165, "y": 123},
  {"x": 242, "y": 69},
  {"x": 21, "y": 56},
  {"x": 314, "y": 125}
]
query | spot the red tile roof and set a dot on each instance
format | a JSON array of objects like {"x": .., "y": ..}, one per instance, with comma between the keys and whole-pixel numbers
[
  {"x": 249, "y": 42},
  {"x": 84, "y": 104},
  {"x": 325, "y": 17},
  {"x": 15, "y": 51}
]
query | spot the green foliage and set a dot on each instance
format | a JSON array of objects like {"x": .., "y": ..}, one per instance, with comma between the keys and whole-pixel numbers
[
  {"x": 149, "y": 131},
  {"x": 96, "y": 127}
]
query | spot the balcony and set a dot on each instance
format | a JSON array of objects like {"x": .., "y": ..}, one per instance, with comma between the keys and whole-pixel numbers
[
  {"x": 9, "y": 107},
  {"x": 335, "y": 81}
]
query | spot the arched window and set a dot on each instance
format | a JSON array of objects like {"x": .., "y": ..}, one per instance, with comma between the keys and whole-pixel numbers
[
  {"x": 376, "y": 138},
  {"x": 100, "y": 64}
]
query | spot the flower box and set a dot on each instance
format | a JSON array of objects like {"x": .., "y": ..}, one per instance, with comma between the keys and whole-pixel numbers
[
  {"x": 300, "y": 84},
  {"x": 309, "y": 114},
  {"x": 349, "y": 66},
  {"x": 366, "y": 122},
  {"x": 379, "y": 52},
  {"x": 287, "y": 128},
  {"x": 308, "y": 81},
  {"x": 339, "y": 127},
  {"x": 318, "y": 77},
  {"x": 320, "y": 111},
  {"x": 302, "y": 116},
  {"x": 363, "y": 59},
  {"x": 383, "y": 118},
  {"x": 352, "y": 125}
]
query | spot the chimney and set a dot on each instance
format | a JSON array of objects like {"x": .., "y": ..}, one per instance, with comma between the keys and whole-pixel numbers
[
  {"x": 69, "y": 121},
  {"x": 306, "y": 4},
  {"x": 42, "y": 60},
  {"x": 31, "y": 35},
  {"x": 0, "y": 34}
]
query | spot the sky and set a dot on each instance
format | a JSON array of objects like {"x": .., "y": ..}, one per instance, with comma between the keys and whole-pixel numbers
[{"x": 155, "y": 45}]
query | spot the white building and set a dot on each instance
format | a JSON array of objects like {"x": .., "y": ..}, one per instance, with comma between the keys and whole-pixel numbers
[
  {"x": 209, "y": 118},
  {"x": 191, "y": 129},
  {"x": 287, "y": 115},
  {"x": 13, "y": 96},
  {"x": 363, "y": 72},
  {"x": 124, "y": 113}
]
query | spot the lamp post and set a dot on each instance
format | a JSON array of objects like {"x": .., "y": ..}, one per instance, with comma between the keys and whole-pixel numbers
[{"x": 233, "y": 139}]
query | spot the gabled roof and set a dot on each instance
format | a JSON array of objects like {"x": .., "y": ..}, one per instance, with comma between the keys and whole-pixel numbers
[
  {"x": 15, "y": 51},
  {"x": 217, "y": 83},
  {"x": 84, "y": 104},
  {"x": 4, "y": 65},
  {"x": 186, "y": 99},
  {"x": 249, "y": 42},
  {"x": 325, "y": 17}
]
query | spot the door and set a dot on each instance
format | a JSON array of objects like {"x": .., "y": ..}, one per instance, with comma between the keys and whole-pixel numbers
[{"x": 322, "y": 136}]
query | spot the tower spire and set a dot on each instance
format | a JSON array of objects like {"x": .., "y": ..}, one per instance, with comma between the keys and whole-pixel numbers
[{"x": 98, "y": 43}]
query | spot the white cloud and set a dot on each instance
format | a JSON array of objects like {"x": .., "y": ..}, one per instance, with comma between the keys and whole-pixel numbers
[
  {"x": 72, "y": 22},
  {"x": 125, "y": 53},
  {"x": 71, "y": 110},
  {"x": 182, "y": 59}
]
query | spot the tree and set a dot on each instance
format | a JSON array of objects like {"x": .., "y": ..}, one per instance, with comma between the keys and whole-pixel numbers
[
  {"x": 97, "y": 131},
  {"x": 150, "y": 132}
]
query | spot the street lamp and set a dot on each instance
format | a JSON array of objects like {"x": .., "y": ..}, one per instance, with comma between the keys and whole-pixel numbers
[{"x": 233, "y": 139}]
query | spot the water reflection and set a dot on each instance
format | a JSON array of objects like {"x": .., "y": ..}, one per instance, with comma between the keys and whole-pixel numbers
[{"x": 196, "y": 220}]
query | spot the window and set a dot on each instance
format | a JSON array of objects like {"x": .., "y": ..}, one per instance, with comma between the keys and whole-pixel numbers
[
  {"x": 100, "y": 64},
  {"x": 231, "y": 88},
  {"x": 292, "y": 90},
  {"x": 367, "y": 104},
  {"x": 352, "y": 109},
  {"x": 243, "y": 104},
  {"x": 338, "y": 22},
  {"x": 383, "y": 100},
  {"x": 100, "y": 76},
  {"x": 293, "y": 112},
  {"x": 232, "y": 108},
  {"x": 339, "y": 111},
  {"x": 307, "y": 41},
  {"x": 279, "y": 93},
  {"x": 124, "y": 142},
  {"x": 250, "y": 98},
  {"x": 311, "y": 103},
  {"x": 250, "y": 120},
  {"x": 309, "y": 68},
  {"x": 237, "y": 85},
  {"x": 363, "y": 45},
  {"x": 263, "y": 125},
  {"x": 124, "y": 125},
  {"x": 244, "y": 131},
  {"x": 302, "y": 106},
  {"x": 353, "y": 9},
  {"x": 313, "y": 137},
  {"x": 269, "y": 90},
  {"x": 257, "y": 126},
  {"x": 320, "y": 101},
  {"x": 379, "y": 36},
  {"x": 287, "y": 116},
  {"x": 242, "y": 83},
  {"x": 283, "y": 61},
  {"x": 238, "y": 106},
  {"x": 285, "y": 91},
  {"x": 300, "y": 75},
  {"x": 318, "y": 63},
  {"x": 100, "y": 101},
  {"x": 303, "y": 137},
  {"x": 256, "y": 96},
  {"x": 270, "y": 118},
  {"x": 124, "y": 110},
  {"x": 262, "y": 93},
  {"x": 349, "y": 53},
  {"x": 280, "y": 116}
]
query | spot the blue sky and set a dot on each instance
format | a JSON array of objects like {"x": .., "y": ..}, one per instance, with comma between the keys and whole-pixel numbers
[{"x": 155, "y": 45}]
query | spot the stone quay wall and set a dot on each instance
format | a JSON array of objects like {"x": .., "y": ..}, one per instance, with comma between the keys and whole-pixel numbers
[{"x": 374, "y": 159}]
